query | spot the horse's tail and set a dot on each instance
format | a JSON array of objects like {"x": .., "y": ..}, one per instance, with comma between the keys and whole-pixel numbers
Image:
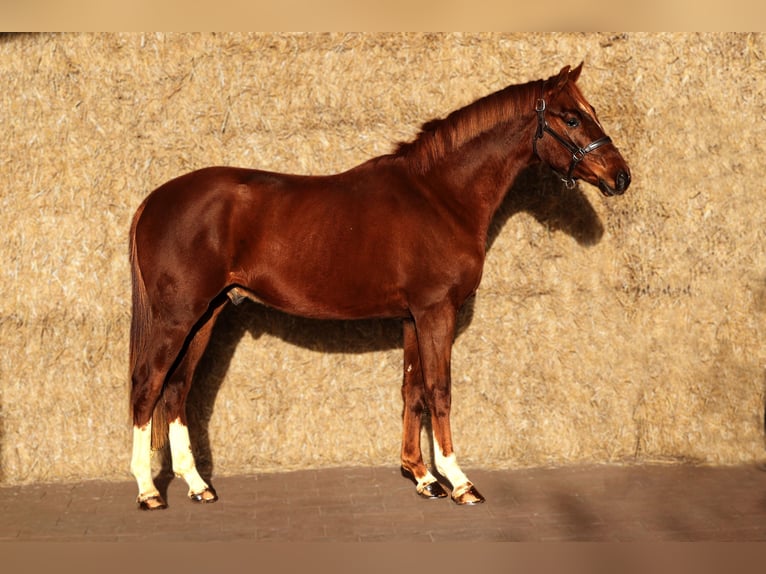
[{"x": 140, "y": 324}]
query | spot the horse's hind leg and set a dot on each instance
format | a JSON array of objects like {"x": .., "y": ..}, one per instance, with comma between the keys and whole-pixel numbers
[
  {"x": 148, "y": 378},
  {"x": 141, "y": 467},
  {"x": 414, "y": 404},
  {"x": 175, "y": 394}
]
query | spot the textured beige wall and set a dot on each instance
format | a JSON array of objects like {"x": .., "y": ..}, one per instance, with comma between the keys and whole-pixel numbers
[{"x": 605, "y": 330}]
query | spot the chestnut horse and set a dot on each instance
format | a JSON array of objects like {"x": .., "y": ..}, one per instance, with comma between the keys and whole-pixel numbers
[{"x": 401, "y": 236}]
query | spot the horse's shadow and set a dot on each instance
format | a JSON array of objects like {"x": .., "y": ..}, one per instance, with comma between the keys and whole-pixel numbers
[{"x": 537, "y": 192}]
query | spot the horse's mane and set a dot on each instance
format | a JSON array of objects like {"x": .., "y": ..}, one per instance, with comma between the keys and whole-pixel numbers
[{"x": 439, "y": 137}]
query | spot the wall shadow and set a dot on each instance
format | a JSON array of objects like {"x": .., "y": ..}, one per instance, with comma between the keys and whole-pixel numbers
[
  {"x": 540, "y": 193},
  {"x": 537, "y": 191}
]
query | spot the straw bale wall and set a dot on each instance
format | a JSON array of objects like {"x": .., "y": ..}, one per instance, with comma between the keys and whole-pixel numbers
[{"x": 623, "y": 330}]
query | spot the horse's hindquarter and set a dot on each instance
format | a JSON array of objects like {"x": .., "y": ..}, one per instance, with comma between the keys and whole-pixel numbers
[{"x": 181, "y": 242}]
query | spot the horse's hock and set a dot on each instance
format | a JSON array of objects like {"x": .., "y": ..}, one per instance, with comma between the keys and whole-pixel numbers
[{"x": 606, "y": 331}]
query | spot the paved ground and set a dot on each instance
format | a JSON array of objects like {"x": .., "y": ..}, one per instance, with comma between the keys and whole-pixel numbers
[{"x": 600, "y": 503}]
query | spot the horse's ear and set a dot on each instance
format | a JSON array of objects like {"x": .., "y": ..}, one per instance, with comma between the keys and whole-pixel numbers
[
  {"x": 575, "y": 74},
  {"x": 562, "y": 78},
  {"x": 567, "y": 74}
]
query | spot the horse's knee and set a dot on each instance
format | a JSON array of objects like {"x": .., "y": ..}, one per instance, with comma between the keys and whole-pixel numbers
[{"x": 439, "y": 402}]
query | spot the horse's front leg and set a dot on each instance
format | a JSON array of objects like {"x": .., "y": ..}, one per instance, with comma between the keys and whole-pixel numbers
[
  {"x": 435, "y": 334},
  {"x": 413, "y": 397}
]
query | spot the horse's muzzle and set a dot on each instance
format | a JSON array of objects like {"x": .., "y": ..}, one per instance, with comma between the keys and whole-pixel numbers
[{"x": 621, "y": 183}]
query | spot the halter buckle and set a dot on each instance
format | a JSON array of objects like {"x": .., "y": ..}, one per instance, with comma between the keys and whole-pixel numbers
[{"x": 540, "y": 109}]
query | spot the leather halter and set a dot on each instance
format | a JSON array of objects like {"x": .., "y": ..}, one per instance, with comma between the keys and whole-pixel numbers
[{"x": 578, "y": 153}]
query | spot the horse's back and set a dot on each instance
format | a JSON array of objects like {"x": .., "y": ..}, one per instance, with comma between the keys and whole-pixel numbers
[{"x": 348, "y": 245}]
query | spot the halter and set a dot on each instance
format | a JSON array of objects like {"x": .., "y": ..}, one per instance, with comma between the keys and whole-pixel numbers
[{"x": 578, "y": 153}]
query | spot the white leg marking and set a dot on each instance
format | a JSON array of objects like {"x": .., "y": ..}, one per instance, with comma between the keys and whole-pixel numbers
[
  {"x": 423, "y": 482},
  {"x": 141, "y": 461},
  {"x": 183, "y": 459},
  {"x": 448, "y": 467}
]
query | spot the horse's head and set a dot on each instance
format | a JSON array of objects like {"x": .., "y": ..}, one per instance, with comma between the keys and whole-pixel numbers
[{"x": 570, "y": 139}]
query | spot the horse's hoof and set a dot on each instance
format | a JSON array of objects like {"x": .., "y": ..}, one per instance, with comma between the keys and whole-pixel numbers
[
  {"x": 467, "y": 495},
  {"x": 432, "y": 491},
  {"x": 205, "y": 497},
  {"x": 152, "y": 503}
]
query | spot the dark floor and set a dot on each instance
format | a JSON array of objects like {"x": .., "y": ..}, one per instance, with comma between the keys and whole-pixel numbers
[{"x": 595, "y": 503}]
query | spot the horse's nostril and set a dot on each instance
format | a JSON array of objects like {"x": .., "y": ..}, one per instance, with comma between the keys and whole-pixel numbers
[{"x": 622, "y": 181}]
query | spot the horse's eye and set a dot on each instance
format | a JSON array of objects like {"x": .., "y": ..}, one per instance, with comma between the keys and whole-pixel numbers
[{"x": 573, "y": 122}]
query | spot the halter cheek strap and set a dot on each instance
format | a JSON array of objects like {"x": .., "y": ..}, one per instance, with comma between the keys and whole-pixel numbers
[{"x": 578, "y": 153}]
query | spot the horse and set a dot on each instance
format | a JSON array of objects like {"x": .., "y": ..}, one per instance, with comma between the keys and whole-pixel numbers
[{"x": 401, "y": 236}]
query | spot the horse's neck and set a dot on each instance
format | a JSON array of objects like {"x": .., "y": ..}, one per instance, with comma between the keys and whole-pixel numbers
[{"x": 475, "y": 179}]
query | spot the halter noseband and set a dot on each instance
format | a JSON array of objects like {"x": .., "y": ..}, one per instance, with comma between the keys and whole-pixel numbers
[{"x": 578, "y": 153}]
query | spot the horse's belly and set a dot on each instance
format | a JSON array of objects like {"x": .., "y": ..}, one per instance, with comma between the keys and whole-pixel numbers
[{"x": 323, "y": 298}]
